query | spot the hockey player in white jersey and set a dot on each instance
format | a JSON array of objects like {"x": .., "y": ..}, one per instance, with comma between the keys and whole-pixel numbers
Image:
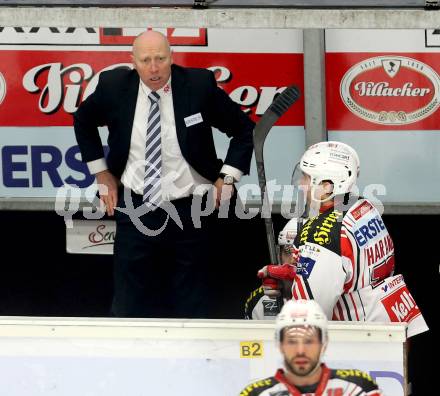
[
  {"x": 345, "y": 255},
  {"x": 301, "y": 334}
]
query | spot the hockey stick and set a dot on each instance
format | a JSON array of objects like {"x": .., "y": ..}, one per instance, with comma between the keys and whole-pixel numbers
[{"x": 278, "y": 107}]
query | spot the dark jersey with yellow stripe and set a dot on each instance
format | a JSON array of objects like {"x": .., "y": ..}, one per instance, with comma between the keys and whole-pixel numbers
[
  {"x": 338, "y": 382},
  {"x": 261, "y": 307},
  {"x": 323, "y": 230},
  {"x": 260, "y": 386}
]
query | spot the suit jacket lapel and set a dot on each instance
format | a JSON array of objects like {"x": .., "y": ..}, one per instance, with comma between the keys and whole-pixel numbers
[
  {"x": 180, "y": 93},
  {"x": 127, "y": 102}
]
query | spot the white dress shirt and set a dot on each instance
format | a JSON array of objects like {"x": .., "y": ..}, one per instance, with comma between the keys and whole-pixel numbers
[{"x": 178, "y": 178}]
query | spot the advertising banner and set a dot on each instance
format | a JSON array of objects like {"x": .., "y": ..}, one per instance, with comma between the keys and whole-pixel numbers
[
  {"x": 383, "y": 98},
  {"x": 45, "y": 73},
  {"x": 91, "y": 237}
]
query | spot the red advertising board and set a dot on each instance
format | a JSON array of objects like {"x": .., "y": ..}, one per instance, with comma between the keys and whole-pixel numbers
[
  {"x": 382, "y": 91},
  {"x": 43, "y": 88}
]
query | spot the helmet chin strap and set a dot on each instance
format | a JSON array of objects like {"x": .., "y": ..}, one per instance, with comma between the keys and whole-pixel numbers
[
  {"x": 316, "y": 203},
  {"x": 313, "y": 208},
  {"x": 318, "y": 364},
  {"x": 323, "y": 348}
]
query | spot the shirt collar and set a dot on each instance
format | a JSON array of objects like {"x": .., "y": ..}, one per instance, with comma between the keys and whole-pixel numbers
[{"x": 164, "y": 91}]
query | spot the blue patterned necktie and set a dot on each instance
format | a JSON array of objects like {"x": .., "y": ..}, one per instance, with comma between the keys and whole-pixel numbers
[{"x": 152, "y": 191}]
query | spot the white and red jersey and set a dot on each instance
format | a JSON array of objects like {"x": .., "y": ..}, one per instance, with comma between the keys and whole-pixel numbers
[
  {"x": 258, "y": 306},
  {"x": 346, "y": 263},
  {"x": 332, "y": 383}
]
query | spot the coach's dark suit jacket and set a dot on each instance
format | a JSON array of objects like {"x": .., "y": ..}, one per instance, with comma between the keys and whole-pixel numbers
[{"x": 194, "y": 91}]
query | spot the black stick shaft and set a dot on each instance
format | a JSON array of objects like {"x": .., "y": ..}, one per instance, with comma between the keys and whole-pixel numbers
[{"x": 278, "y": 107}]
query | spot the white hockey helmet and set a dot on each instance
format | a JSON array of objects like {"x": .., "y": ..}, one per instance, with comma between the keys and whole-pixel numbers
[
  {"x": 302, "y": 313},
  {"x": 288, "y": 233},
  {"x": 335, "y": 161}
]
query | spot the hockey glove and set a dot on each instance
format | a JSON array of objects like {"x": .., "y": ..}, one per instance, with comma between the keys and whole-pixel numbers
[{"x": 273, "y": 277}]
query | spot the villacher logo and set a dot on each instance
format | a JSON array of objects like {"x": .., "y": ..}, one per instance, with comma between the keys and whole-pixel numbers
[
  {"x": 391, "y": 90},
  {"x": 2, "y": 88}
]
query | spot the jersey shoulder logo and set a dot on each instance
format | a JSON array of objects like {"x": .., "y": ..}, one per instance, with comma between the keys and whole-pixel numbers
[{"x": 305, "y": 266}]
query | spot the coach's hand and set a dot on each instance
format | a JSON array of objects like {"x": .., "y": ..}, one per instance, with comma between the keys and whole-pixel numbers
[
  {"x": 224, "y": 192},
  {"x": 108, "y": 190}
]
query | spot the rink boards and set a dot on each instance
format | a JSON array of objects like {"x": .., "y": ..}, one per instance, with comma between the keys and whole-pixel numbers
[{"x": 82, "y": 356}]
